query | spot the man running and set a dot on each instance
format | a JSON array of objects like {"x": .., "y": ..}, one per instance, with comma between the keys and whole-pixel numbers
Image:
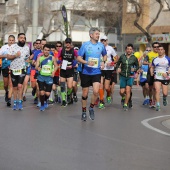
[
  {"x": 18, "y": 53},
  {"x": 5, "y": 69},
  {"x": 89, "y": 55},
  {"x": 160, "y": 71},
  {"x": 125, "y": 65},
  {"x": 106, "y": 73},
  {"x": 44, "y": 65}
]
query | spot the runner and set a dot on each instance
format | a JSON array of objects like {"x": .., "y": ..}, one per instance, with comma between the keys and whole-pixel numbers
[
  {"x": 143, "y": 78},
  {"x": 18, "y": 53},
  {"x": 35, "y": 92},
  {"x": 160, "y": 71},
  {"x": 67, "y": 56},
  {"x": 125, "y": 65},
  {"x": 5, "y": 69},
  {"x": 45, "y": 66},
  {"x": 106, "y": 73},
  {"x": 89, "y": 55},
  {"x": 148, "y": 61}
]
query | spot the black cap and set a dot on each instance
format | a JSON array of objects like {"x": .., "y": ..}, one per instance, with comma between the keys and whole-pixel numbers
[{"x": 68, "y": 40}]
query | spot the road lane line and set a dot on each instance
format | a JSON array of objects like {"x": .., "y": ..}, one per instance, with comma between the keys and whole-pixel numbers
[{"x": 146, "y": 124}]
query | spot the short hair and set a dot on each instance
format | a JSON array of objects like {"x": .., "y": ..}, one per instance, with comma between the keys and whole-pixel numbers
[
  {"x": 44, "y": 39},
  {"x": 11, "y": 36},
  {"x": 160, "y": 45},
  {"x": 47, "y": 46},
  {"x": 34, "y": 42},
  {"x": 155, "y": 43},
  {"x": 93, "y": 29},
  {"x": 38, "y": 40},
  {"x": 59, "y": 42},
  {"x": 53, "y": 46},
  {"x": 21, "y": 34},
  {"x": 129, "y": 45}
]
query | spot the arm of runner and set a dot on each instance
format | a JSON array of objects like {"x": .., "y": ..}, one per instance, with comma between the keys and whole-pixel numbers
[
  {"x": 37, "y": 66},
  {"x": 12, "y": 57}
]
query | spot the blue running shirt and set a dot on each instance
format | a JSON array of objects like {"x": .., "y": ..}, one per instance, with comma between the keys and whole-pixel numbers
[{"x": 92, "y": 52}]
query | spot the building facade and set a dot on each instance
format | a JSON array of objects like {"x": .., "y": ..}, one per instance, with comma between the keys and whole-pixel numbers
[
  {"x": 160, "y": 30},
  {"x": 81, "y": 16}
]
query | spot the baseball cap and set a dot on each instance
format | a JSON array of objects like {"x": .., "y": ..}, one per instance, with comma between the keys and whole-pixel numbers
[
  {"x": 68, "y": 40},
  {"x": 104, "y": 37}
]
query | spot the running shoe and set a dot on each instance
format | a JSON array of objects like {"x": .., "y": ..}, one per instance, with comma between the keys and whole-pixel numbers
[
  {"x": 71, "y": 101},
  {"x": 158, "y": 108},
  {"x": 101, "y": 105},
  {"x": 20, "y": 107},
  {"x": 36, "y": 100},
  {"x": 83, "y": 116},
  {"x": 109, "y": 100},
  {"x": 165, "y": 102},
  {"x": 6, "y": 96},
  {"x": 153, "y": 104},
  {"x": 91, "y": 113},
  {"x": 24, "y": 98},
  {"x": 64, "y": 104},
  {"x": 75, "y": 98},
  {"x": 39, "y": 104},
  {"x": 145, "y": 102},
  {"x": 15, "y": 106},
  {"x": 8, "y": 103},
  {"x": 125, "y": 107},
  {"x": 46, "y": 105},
  {"x": 42, "y": 108},
  {"x": 122, "y": 101},
  {"x": 33, "y": 91},
  {"x": 69, "y": 98},
  {"x": 130, "y": 104},
  {"x": 150, "y": 103}
]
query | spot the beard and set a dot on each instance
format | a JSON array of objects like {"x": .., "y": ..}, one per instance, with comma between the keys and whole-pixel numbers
[{"x": 21, "y": 43}]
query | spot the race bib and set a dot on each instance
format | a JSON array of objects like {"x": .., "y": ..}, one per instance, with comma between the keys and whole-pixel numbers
[
  {"x": 46, "y": 69},
  {"x": 95, "y": 60},
  {"x": 159, "y": 74},
  {"x": 144, "y": 75},
  {"x": 17, "y": 72}
]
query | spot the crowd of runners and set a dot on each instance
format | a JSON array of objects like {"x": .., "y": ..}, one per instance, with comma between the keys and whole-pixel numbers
[{"x": 54, "y": 71}]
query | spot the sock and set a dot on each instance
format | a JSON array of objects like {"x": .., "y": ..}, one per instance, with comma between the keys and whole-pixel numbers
[
  {"x": 164, "y": 97},
  {"x": 108, "y": 93},
  {"x": 42, "y": 98},
  {"x": 51, "y": 96},
  {"x": 74, "y": 94},
  {"x": 157, "y": 103},
  {"x": 46, "y": 98},
  {"x": 83, "y": 109},
  {"x": 101, "y": 93},
  {"x": 63, "y": 96},
  {"x": 123, "y": 97},
  {"x": 69, "y": 91},
  {"x": 19, "y": 101},
  {"x": 15, "y": 102},
  {"x": 125, "y": 104},
  {"x": 55, "y": 92},
  {"x": 91, "y": 105}
]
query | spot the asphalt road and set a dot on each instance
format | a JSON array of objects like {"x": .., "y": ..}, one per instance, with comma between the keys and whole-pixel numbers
[{"x": 58, "y": 140}]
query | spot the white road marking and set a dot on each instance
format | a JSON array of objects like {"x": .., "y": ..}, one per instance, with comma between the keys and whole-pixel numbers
[{"x": 146, "y": 124}]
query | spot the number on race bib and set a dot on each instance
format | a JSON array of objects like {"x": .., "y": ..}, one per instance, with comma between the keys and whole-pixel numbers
[{"x": 17, "y": 72}]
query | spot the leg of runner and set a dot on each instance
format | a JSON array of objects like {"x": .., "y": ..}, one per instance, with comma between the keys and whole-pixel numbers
[
  {"x": 85, "y": 91},
  {"x": 6, "y": 82},
  {"x": 157, "y": 94},
  {"x": 101, "y": 94},
  {"x": 25, "y": 85},
  {"x": 63, "y": 91},
  {"x": 108, "y": 90},
  {"x": 127, "y": 97},
  {"x": 10, "y": 91},
  {"x": 69, "y": 90},
  {"x": 165, "y": 94},
  {"x": 75, "y": 88}
]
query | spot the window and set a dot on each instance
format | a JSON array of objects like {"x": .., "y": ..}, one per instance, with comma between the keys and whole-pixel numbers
[{"x": 131, "y": 7}]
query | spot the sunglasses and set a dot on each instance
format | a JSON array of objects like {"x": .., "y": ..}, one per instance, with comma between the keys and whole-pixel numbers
[
  {"x": 58, "y": 46},
  {"x": 38, "y": 43},
  {"x": 103, "y": 40},
  {"x": 155, "y": 46},
  {"x": 147, "y": 50}
]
